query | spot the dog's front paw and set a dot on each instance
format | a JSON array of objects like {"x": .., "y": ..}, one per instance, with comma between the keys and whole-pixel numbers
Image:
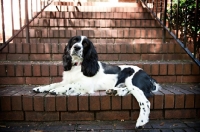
[
  {"x": 117, "y": 91},
  {"x": 38, "y": 90},
  {"x": 57, "y": 91},
  {"x": 111, "y": 92},
  {"x": 41, "y": 89}
]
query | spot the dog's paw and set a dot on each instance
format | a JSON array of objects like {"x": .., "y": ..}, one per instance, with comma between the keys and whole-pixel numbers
[
  {"x": 53, "y": 92},
  {"x": 117, "y": 91},
  {"x": 73, "y": 91},
  {"x": 41, "y": 89},
  {"x": 144, "y": 114},
  {"x": 38, "y": 90},
  {"x": 57, "y": 91},
  {"x": 141, "y": 123},
  {"x": 111, "y": 92}
]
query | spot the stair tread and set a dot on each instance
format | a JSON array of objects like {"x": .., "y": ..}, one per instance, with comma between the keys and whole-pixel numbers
[{"x": 188, "y": 88}]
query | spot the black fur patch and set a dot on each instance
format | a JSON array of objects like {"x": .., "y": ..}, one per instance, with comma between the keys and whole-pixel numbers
[
  {"x": 90, "y": 65},
  {"x": 110, "y": 69},
  {"x": 67, "y": 59},
  {"x": 126, "y": 72},
  {"x": 143, "y": 81}
]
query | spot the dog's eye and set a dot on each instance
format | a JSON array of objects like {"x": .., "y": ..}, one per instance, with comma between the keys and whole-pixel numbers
[
  {"x": 85, "y": 44},
  {"x": 74, "y": 41}
]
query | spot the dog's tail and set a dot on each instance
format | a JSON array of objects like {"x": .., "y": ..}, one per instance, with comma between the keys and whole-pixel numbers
[{"x": 155, "y": 86}]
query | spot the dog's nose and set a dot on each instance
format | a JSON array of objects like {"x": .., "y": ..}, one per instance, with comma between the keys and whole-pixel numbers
[{"x": 77, "y": 48}]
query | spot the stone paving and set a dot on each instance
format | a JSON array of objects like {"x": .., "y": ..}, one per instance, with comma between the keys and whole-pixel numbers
[{"x": 186, "y": 125}]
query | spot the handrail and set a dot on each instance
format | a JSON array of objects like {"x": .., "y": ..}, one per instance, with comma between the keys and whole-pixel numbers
[
  {"x": 181, "y": 23},
  {"x": 28, "y": 18}
]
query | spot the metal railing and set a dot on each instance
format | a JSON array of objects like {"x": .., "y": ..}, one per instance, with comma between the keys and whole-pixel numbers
[
  {"x": 181, "y": 18},
  {"x": 18, "y": 14}
]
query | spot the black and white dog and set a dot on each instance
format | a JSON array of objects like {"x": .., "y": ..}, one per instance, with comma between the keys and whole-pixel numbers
[{"x": 84, "y": 74}]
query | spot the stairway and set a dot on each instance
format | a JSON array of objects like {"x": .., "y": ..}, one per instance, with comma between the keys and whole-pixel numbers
[{"x": 123, "y": 33}]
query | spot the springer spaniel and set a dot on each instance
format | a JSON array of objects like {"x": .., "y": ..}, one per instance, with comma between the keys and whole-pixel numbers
[{"x": 84, "y": 74}]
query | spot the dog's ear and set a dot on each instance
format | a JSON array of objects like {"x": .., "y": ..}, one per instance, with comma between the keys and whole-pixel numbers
[
  {"x": 67, "y": 59},
  {"x": 90, "y": 65}
]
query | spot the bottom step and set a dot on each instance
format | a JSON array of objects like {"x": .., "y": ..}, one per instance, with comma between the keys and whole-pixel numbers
[
  {"x": 20, "y": 103},
  {"x": 181, "y": 125}
]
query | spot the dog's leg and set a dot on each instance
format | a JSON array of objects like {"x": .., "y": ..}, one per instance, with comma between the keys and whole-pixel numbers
[
  {"x": 143, "y": 102},
  {"x": 140, "y": 97},
  {"x": 78, "y": 89},
  {"x": 62, "y": 89},
  {"x": 47, "y": 88},
  {"x": 70, "y": 89},
  {"x": 144, "y": 106}
]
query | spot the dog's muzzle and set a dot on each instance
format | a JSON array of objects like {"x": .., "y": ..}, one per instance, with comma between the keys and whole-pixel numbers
[{"x": 76, "y": 50}]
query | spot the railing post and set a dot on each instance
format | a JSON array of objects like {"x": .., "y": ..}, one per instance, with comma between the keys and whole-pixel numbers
[
  {"x": 164, "y": 21},
  {"x": 170, "y": 22},
  {"x": 195, "y": 31},
  {"x": 3, "y": 26},
  {"x": 177, "y": 19},
  {"x": 27, "y": 22},
  {"x": 20, "y": 23},
  {"x": 156, "y": 8},
  {"x": 185, "y": 28},
  {"x": 12, "y": 17}
]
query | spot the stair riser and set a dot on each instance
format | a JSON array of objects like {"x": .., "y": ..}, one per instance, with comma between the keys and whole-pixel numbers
[
  {"x": 115, "y": 4},
  {"x": 100, "y": 40},
  {"x": 45, "y": 48},
  {"x": 132, "y": 33},
  {"x": 106, "y": 52},
  {"x": 36, "y": 74},
  {"x": 92, "y": 23},
  {"x": 97, "y": 15},
  {"x": 93, "y": 116},
  {"x": 102, "y": 57},
  {"x": 93, "y": 9}
]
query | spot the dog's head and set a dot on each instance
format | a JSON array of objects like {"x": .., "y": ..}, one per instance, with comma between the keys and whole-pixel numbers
[{"x": 80, "y": 51}]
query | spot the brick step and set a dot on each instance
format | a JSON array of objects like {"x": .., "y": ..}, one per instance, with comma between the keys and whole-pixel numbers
[
  {"x": 106, "y": 52},
  {"x": 102, "y": 57},
  {"x": 19, "y": 103},
  {"x": 94, "y": 40},
  {"x": 101, "y": 4},
  {"x": 96, "y": 7},
  {"x": 45, "y": 72},
  {"x": 92, "y": 23},
  {"x": 128, "y": 34},
  {"x": 97, "y": 32},
  {"x": 96, "y": 15},
  {"x": 129, "y": 9}
]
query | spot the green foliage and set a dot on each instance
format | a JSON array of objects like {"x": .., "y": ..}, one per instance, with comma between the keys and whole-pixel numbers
[{"x": 185, "y": 18}]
